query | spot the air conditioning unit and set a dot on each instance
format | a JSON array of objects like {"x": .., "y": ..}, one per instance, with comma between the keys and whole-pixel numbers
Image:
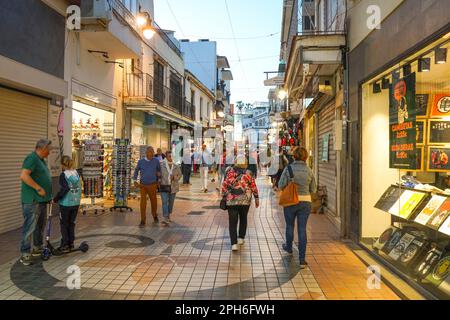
[{"x": 95, "y": 11}]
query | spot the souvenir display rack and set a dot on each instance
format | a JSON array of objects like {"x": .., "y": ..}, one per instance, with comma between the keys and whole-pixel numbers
[
  {"x": 121, "y": 174},
  {"x": 138, "y": 153},
  {"x": 93, "y": 174},
  {"x": 417, "y": 242}
]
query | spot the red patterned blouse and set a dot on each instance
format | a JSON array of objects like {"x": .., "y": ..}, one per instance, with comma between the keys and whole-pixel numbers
[{"x": 238, "y": 187}]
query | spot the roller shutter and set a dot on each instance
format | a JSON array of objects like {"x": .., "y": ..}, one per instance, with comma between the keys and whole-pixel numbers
[
  {"x": 23, "y": 121},
  {"x": 327, "y": 170}
]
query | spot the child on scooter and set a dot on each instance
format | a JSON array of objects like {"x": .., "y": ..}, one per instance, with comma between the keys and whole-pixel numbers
[{"x": 69, "y": 198}]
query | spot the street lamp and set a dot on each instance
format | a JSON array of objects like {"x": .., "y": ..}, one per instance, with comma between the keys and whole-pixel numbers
[
  {"x": 282, "y": 94},
  {"x": 144, "y": 21},
  {"x": 220, "y": 114}
]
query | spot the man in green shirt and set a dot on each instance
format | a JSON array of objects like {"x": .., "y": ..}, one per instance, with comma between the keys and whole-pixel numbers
[{"x": 36, "y": 194}]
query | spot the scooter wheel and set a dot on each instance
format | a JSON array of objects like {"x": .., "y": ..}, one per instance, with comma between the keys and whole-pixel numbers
[
  {"x": 84, "y": 247},
  {"x": 45, "y": 256}
]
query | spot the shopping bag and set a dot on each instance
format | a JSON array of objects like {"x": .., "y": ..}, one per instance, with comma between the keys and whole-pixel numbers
[{"x": 289, "y": 195}]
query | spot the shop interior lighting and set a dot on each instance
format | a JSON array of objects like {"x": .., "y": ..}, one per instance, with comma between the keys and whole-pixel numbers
[
  {"x": 376, "y": 87},
  {"x": 385, "y": 83},
  {"x": 424, "y": 64},
  {"x": 440, "y": 55},
  {"x": 395, "y": 75}
]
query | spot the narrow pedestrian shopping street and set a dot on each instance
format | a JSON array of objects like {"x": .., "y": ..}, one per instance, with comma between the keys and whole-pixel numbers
[{"x": 191, "y": 259}]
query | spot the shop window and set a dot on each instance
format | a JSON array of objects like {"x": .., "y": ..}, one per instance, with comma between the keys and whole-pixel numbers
[{"x": 405, "y": 213}]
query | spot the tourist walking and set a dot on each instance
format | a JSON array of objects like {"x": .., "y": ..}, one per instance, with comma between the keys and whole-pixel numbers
[
  {"x": 304, "y": 179},
  {"x": 205, "y": 163},
  {"x": 36, "y": 193},
  {"x": 238, "y": 188},
  {"x": 170, "y": 177},
  {"x": 149, "y": 171}
]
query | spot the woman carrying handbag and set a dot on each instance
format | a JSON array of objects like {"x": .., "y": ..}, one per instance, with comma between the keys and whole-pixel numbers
[
  {"x": 238, "y": 188},
  {"x": 297, "y": 183}
]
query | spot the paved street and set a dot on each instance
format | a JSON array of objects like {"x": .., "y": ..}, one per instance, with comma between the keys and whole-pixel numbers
[{"x": 191, "y": 259}]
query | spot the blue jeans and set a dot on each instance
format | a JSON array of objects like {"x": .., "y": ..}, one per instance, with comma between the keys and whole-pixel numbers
[
  {"x": 168, "y": 200},
  {"x": 300, "y": 211},
  {"x": 35, "y": 218}
]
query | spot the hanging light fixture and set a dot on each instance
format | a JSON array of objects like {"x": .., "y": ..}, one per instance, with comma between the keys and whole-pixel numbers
[
  {"x": 406, "y": 70},
  {"x": 440, "y": 55},
  {"x": 376, "y": 87},
  {"x": 424, "y": 64},
  {"x": 144, "y": 21},
  {"x": 395, "y": 75},
  {"x": 385, "y": 83}
]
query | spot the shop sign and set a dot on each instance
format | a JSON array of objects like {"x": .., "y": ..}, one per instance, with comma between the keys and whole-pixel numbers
[
  {"x": 441, "y": 105},
  {"x": 402, "y": 124}
]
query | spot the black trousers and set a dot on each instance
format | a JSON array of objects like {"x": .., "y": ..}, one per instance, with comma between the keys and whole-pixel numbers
[
  {"x": 68, "y": 217},
  {"x": 237, "y": 214},
  {"x": 186, "y": 169}
]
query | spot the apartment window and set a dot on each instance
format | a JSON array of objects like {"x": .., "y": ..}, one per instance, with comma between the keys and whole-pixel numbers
[
  {"x": 201, "y": 109},
  {"x": 175, "y": 91},
  {"x": 308, "y": 23},
  {"x": 158, "y": 75},
  {"x": 192, "y": 97}
]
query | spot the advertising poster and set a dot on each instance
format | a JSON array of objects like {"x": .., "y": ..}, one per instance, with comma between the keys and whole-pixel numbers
[
  {"x": 438, "y": 159},
  {"x": 402, "y": 124},
  {"x": 55, "y": 135},
  {"x": 432, "y": 206},
  {"x": 407, "y": 203},
  {"x": 439, "y": 132},
  {"x": 441, "y": 105},
  {"x": 445, "y": 228}
]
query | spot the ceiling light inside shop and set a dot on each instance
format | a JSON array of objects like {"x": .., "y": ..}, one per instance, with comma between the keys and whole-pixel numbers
[
  {"x": 424, "y": 64},
  {"x": 440, "y": 55},
  {"x": 395, "y": 75}
]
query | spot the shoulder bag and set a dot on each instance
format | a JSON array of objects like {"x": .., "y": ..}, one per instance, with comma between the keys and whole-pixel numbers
[{"x": 289, "y": 195}]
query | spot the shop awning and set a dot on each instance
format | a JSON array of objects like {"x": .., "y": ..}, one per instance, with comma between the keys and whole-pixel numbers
[{"x": 167, "y": 115}]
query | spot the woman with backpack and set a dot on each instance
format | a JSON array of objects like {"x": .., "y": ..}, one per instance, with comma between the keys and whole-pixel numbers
[
  {"x": 69, "y": 198},
  {"x": 237, "y": 189},
  {"x": 304, "y": 180}
]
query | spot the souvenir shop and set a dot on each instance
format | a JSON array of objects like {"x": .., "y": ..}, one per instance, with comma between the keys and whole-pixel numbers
[
  {"x": 94, "y": 127},
  {"x": 405, "y": 168}
]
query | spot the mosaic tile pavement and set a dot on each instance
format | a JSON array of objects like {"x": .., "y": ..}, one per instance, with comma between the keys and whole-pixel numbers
[{"x": 191, "y": 259}]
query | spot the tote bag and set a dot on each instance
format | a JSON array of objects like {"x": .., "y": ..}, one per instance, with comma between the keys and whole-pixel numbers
[{"x": 289, "y": 195}]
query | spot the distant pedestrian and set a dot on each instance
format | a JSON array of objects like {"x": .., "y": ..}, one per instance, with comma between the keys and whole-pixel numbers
[
  {"x": 36, "y": 193},
  {"x": 186, "y": 168},
  {"x": 306, "y": 185},
  {"x": 160, "y": 155},
  {"x": 149, "y": 170},
  {"x": 205, "y": 163},
  {"x": 238, "y": 188},
  {"x": 69, "y": 198},
  {"x": 170, "y": 177}
]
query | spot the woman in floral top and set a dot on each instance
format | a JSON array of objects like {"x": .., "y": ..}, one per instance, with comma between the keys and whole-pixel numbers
[{"x": 238, "y": 188}]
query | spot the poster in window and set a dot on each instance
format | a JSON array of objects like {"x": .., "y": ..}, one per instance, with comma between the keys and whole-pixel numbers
[
  {"x": 389, "y": 198},
  {"x": 401, "y": 246},
  {"x": 441, "y": 106},
  {"x": 445, "y": 228},
  {"x": 430, "y": 209},
  {"x": 420, "y": 132},
  {"x": 402, "y": 124},
  {"x": 438, "y": 159},
  {"x": 422, "y": 102},
  {"x": 439, "y": 216},
  {"x": 406, "y": 205},
  {"x": 325, "y": 147},
  {"x": 439, "y": 132}
]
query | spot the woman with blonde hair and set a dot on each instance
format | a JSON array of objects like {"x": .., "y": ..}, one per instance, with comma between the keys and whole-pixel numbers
[
  {"x": 238, "y": 188},
  {"x": 69, "y": 198}
]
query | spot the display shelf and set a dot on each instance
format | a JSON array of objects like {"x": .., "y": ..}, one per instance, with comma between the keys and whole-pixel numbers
[{"x": 121, "y": 173}]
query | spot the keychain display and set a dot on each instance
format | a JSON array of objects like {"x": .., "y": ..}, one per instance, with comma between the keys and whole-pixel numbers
[
  {"x": 93, "y": 174},
  {"x": 121, "y": 174}
]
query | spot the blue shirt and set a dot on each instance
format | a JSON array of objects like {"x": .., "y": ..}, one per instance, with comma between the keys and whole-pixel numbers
[{"x": 150, "y": 171}]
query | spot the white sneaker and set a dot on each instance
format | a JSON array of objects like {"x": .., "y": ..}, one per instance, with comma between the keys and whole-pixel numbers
[
  {"x": 241, "y": 241},
  {"x": 165, "y": 221},
  {"x": 235, "y": 247}
]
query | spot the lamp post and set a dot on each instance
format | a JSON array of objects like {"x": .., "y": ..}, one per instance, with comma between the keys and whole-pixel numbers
[{"x": 144, "y": 21}]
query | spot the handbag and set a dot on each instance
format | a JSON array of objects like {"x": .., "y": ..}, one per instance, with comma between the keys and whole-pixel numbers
[
  {"x": 289, "y": 195},
  {"x": 166, "y": 188}
]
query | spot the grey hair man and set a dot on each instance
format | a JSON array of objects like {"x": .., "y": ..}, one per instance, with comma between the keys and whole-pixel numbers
[{"x": 36, "y": 193}]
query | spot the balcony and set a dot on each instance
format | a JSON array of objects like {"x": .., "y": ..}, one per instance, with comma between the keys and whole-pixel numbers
[
  {"x": 109, "y": 27},
  {"x": 143, "y": 92}
]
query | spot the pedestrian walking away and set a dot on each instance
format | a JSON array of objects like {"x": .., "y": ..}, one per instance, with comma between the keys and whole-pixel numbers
[
  {"x": 170, "y": 177},
  {"x": 149, "y": 172},
  {"x": 36, "y": 193},
  {"x": 305, "y": 181},
  {"x": 69, "y": 198},
  {"x": 205, "y": 164},
  {"x": 238, "y": 188}
]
